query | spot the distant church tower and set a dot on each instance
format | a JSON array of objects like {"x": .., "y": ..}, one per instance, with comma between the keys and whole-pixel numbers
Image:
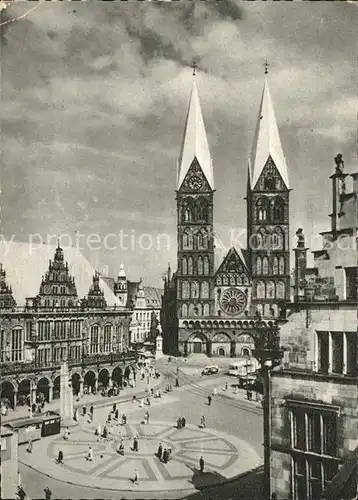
[
  {"x": 268, "y": 194},
  {"x": 195, "y": 191}
]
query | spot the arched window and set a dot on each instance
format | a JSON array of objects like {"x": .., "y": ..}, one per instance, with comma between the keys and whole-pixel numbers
[
  {"x": 206, "y": 266},
  {"x": 187, "y": 212},
  {"x": 280, "y": 290},
  {"x": 63, "y": 290},
  {"x": 258, "y": 265},
  {"x": 108, "y": 338},
  {"x": 190, "y": 265},
  {"x": 262, "y": 208},
  {"x": 199, "y": 240},
  {"x": 260, "y": 290},
  {"x": 270, "y": 290},
  {"x": 260, "y": 308},
  {"x": 205, "y": 239},
  {"x": 232, "y": 280},
  {"x": 185, "y": 241},
  {"x": 184, "y": 310},
  {"x": 219, "y": 281},
  {"x": 185, "y": 290},
  {"x": 275, "y": 265},
  {"x": 94, "y": 339},
  {"x": 191, "y": 311},
  {"x": 282, "y": 265},
  {"x": 199, "y": 311},
  {"x": 277, "y": 239},
  {"x": 206, "y": 311},
  {"x": 190, "y": 241},
  {"x": 204, "y": 290},
  {"x": 265, "y": 266},
  {"x": 200, "y": 265},
  {"x": 278, "y": 207},
  {"x": 184, "y": 266},
  {"x": 225, "y": 280},
  {"x": 195, "y": 290}
]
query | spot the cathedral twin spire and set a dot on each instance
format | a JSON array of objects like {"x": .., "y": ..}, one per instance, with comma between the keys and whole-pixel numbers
[
  {"x": 195, "y": 142},
  {"x": 267, "y": 142}
]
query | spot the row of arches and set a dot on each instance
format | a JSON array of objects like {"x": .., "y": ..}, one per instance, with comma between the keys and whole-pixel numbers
[
  {"x": 195, "y": 241},
  {"x": 267, "y": 209},
  {"x": 195, "y": 290},
  {"x": 189, "y": 325},
  {"x": 46, "y": 389},
  {"x": 192, "y": 310},
  {"x": 266, "y": 239},
  {"x": 233, "y": 280},
  {"x": 197, "y": 266},
  {"x": 270, "y": 289},
  {"x": 275, "y": 266},
  {"x": 194, "y": 210},
  {"x": 267, "y": 310}
]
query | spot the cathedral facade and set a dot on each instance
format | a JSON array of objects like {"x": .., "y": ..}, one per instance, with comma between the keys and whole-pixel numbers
[{"x": 210, "y": 304}]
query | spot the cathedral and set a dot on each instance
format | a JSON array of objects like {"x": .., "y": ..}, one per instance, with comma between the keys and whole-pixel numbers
[{"x": 210, "y": 304}]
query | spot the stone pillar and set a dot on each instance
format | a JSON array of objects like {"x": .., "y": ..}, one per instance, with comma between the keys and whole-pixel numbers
[
  {"x": 96, "y": 384},
  {"x": 33, "y": 394},
  {"x": 110, "y": 383},
  {"x": 186, "y": 348},
  {"x": 81, "y": 387},
  {"x": 50, "y": 393},
  {"x": 15, "y": 399},
  {"x": 233, "y": 348}
]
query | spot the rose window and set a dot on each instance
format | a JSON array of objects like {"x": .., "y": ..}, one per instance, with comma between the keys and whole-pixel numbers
[{"x": 233, "y": 301}]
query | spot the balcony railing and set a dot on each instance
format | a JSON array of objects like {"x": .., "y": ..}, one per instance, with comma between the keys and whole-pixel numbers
[
  {"x": 73, "y": 309},
  {"x": 88, "y": 360}
]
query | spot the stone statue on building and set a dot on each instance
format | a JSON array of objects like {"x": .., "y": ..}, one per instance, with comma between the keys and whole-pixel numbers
[
  {"x": 339, "y": 163},
  {"x": 300, "y": 238}
]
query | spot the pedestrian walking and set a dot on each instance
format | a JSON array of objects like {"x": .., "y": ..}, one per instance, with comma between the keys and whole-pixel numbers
[
  {"x": 84, "y": 410},
  {"x": 66, "y": 434},
  {"x": 179, "y": 423},
  {"x": 48, "y": 493},
  {"x": 120, "y": 448},
  {"x": 226, "y": 386},
  {"x": 114, "y": 407},
  {"x": 60, "y": 457},
  {"x": 89, "y": 455},
  {"x": 183, "y": 422},
  {"x": 165, "y": 456},
  {"x": 160, "y": 451},
  {"x": 209, "y": 400},
  {"x": 91, "y": 409},
  {"x": 202, "y": 422},
  {"x": 98, "y": 431},
  {"x": 147, "y": 416},
  {"x": 29, "y": 446},
  {"x": 75, "y": 415},
  {"x": 169, "y": 452},
  {"x": 201, "y": 464},
  {"x": 105, "y": 432},
  {"x": 136, "y": 477},
  {"x": 116, "y": 414},
  {"x": 135, "y": 444}
]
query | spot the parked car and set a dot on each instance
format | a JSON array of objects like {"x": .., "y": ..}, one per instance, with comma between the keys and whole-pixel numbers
[{"x": 210, "y": 370}]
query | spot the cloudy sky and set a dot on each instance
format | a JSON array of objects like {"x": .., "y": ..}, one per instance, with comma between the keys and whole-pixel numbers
[{"x": 94, "y": 97}]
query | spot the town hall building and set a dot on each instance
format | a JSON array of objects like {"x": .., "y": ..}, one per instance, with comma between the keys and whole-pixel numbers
[{"x": 211, "y": 303}]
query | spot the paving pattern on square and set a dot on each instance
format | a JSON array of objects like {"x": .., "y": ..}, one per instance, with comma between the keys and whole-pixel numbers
[{"x": 225, "y": 457}]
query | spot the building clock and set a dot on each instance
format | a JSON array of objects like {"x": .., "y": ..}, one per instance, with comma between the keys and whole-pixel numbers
[
  {"x": 233, "y": 301},
  {"x": 195, "y": 182}
]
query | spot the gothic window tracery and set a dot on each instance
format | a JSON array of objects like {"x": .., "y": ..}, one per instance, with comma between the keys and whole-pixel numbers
[
  {"x": 280, "y": 288},
  {"x": 191, "y": 310},
  {"x": 190, "y": 265},
  {"x": 258, "y": 265},
  {"x": 200, "y": 265},
  {"x": 275, "y": 265},
  {"x": 199, "y": 240},
  {"x": 206, "y": 310},
  {"x": 225, "y": 280},
  {"x": 185, "y": 290},
  {"x": 184, "y": 310},
  {"x": 206, "y": 266},
  {"x": 204, "y": 290},
  {"x": 262, "y": 209},
  {"x": 282, "y": 265},
  {"x": 278, "y": 208},
  {"x": 219, "y": 281},
  {"x": 205, "y": 239},
  {"x": 270, "y": 290},
  {"x": 232, "y": 280},
  {"x": 184, "y": 266},
  {"x": 195, "y": 290},
  {"x": 260, "y": 290},
  {"x": 277, "y": 239},
  {"x": 265, "y": 266},
  {"x": 198, "y": 310}
]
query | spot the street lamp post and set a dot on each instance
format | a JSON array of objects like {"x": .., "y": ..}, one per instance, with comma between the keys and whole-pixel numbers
[{"x": 269, "y": 354}]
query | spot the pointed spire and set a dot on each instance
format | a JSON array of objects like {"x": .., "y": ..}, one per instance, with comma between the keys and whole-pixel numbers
[
  {"x": 121, "y": 273},
  {"x": 267, "y": 140},
  {"x": 195, "y": 142}
]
